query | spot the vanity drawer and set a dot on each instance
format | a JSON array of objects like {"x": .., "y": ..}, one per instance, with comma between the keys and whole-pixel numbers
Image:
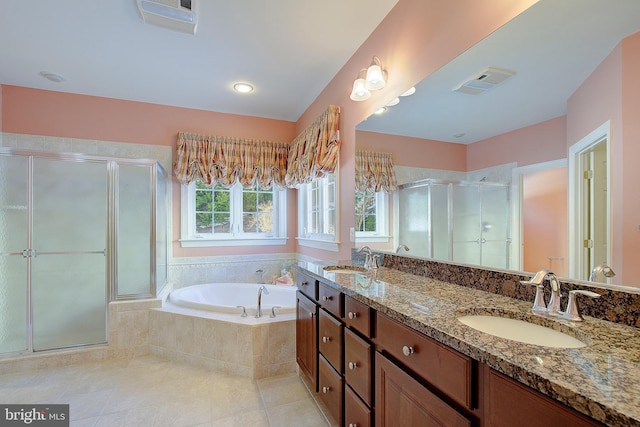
[
  {"x": 357, "y": 365},
  {"x": 330, "y": 389},
  {"x": 307, "y": 285},
  {"x": 330, "y": 299},
  {"x": 439, "y": 365},
  {"x": 357, "y": 316},
  {"x": 330, "y": 339},
  {"x": 356, "y": 413}
]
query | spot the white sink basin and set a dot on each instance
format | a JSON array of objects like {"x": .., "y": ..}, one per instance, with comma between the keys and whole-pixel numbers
[
  {"x": 344, "y": 269},
  {"x": 521, "y": 331}
]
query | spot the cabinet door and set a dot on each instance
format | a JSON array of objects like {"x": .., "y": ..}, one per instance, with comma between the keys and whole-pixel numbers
[
  {"x": 330, "y": 389},
  {"x": 330, "y": 339},
  {"x": 357, "y": 365},
  {"x": 509, "y": 403},
  {"x": 403, "y": 401},
  {"x": 306, "y": 338},
  {"x": 356, "y": 413}
]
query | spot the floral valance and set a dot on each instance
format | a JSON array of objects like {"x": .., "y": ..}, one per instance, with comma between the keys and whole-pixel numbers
[
  {"x": 314, "y": 153},
  {"x": 223, "y": 160},
  {"x": 374, "y": 172}
]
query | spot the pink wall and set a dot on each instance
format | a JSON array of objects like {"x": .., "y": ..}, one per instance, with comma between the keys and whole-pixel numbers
[
  {"x": 544, "y": 217},
  {"x": 598, "y": 100},
  {"x": 415, "y": 152},
  {"x": 533, "y": 144},
  {"x": 39, "y": 112},
  {"x": 415, "y": 39}
]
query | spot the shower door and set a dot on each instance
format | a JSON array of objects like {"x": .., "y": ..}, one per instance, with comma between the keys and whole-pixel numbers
[{"x": 68, "y": 253}]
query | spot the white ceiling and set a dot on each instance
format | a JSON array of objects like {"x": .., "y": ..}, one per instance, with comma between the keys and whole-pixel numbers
[
  {"x": 553, "y": 46},
  {"x": 290, "y": 50}
]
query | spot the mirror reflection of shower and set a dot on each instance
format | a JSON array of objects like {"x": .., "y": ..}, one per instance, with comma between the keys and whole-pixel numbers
[{"x": 459, "y": 221}]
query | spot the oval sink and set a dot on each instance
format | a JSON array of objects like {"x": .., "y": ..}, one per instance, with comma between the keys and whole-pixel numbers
[
  {"x": 521, "y": 331},
  {"x": 344, "y": 269}
]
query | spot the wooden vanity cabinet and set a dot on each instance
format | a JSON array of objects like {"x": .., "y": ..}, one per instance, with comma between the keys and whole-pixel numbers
[
  {"x": 307, "y": 285},
  {"x": 307, "y": 338},
  {"x": 330, "y": 389},
  {"x": 509, "y": 403},
  {"x": 356, "y": 413}
]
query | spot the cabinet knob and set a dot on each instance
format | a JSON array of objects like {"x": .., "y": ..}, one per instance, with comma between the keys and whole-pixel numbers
[
  {"x": 326, "y": 390},
  {"x": 311, "y": 314},
  {"x": 304, "y": 283},
  {"x": 408, "y": 350},
  {"x": 327, "y": 298},
  {"x": 326, "y": 339},
  {"x": 353, "y": 365},
  {"x": 352, "y": 315},
  {"x": 353, "y": 425}
]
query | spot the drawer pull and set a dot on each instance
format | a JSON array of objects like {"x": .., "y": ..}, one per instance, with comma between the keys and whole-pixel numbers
[
  {"x": 326, "y": 390},
  {"x": 408, "y": 350},
  {"x": 311, "y": 314},
  {"x": 353, "y": 425},
  {"x": 327, "y": 298},
  {"x": 304, "y": 283},
  {"x": 326, "y": 339},
  {"x": 353, "y": 365},
  {"x": 352, "y": 315}
]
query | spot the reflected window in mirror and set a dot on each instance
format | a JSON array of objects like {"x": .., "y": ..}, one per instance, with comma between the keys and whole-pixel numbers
[
  {"x": 372, "y": 220},
  {"x": 317, "y": 212}
]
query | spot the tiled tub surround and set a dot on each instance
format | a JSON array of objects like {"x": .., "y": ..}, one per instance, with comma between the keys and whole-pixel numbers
[
  {"x": 601, "y": 380},
  {"x": 244, "y": 346}
]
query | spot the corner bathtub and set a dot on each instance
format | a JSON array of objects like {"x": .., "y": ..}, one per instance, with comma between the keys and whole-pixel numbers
[{"x": 227, "y": 297}]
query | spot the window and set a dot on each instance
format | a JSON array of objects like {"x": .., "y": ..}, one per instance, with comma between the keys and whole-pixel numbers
[
  {"x": 372, "y": 222},
  {"x": 213, "y": 216},
  {"x": 318, "y": 209}
]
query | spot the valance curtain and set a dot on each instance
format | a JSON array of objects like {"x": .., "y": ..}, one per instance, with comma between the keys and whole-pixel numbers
[
  {"x": 374, "y": 172},
  {"x": 314, "y": 153},
  {"x": 225, "y": 161}
]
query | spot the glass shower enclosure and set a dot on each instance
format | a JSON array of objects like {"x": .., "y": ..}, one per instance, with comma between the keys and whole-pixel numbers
[
  {"x": 458, "y": 221},
  {"x": 76, "y": 232}
]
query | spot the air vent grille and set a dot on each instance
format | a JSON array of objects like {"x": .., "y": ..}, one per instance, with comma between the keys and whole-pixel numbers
[{"x": 484, "y": 80}]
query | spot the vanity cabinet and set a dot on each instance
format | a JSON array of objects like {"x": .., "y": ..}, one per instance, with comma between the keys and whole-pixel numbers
[
  {"x": 307, "y": 338},
  {"x": 509, "y": 403}
]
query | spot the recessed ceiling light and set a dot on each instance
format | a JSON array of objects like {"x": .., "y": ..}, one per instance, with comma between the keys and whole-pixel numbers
[
  {"x": 56, "y": 78},
  {"x": 459, "y": 135},
  {"x": 243, "y": 87}
]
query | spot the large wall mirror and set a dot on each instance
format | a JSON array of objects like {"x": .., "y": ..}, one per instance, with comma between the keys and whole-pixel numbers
[{"x": 492, "y": 172}]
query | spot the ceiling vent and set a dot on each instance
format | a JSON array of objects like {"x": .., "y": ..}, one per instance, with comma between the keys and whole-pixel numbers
[
  {"x": 484, "y": 80},
  {"x": 177, "y": 15}
]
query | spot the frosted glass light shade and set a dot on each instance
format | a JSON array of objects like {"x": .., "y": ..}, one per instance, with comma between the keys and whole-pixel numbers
[
  {"x": 360, "y": 91},
  {"x": 375, "y": 77}
]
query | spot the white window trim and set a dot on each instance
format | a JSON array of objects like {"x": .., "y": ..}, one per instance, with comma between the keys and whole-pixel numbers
[
  {"x": 381, "y": 235},
  {"x": 193, "y": 240},
  {"x": 312, "y": 241}
]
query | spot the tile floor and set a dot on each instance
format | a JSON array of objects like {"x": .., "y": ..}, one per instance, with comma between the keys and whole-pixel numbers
[{"x": 150, "y": 391}]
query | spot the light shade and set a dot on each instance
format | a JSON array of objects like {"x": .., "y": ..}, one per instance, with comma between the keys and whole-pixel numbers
[
  {"x": 375, "y": 75},
  {"x": 360, "y": 91},
  {"x": 395, "y": 101}
]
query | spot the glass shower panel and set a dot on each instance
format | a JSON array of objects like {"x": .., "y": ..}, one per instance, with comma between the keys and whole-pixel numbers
[
  {"x": 441, "y": 245},
  {"x": 69, "y": 292},
  {"x": 413, "y": 221},
  {"x": 134, "y": 229},
  {"x": 14, "y": 218},
  {"x": 495, "y": 226},
  {"x": 162, "y": 204},
  {"x": 466, "y": 224}
]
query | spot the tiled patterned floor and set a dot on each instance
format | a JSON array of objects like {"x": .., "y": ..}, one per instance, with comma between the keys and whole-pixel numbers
[{"x": 150, "y": 391}]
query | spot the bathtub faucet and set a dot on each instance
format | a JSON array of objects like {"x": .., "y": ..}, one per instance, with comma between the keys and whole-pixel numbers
[
  {"x": 266, "y": 291},
  {"x": 260, "y": 271}
]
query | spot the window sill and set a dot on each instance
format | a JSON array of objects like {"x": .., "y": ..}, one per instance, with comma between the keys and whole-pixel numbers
[
  {"x": 372, "y": 239},
  {"x": 202, "y": 243},
  {"x": 319, "y": 244}
]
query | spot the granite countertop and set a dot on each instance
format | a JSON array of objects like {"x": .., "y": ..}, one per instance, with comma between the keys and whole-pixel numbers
[{"x": 601, "y": 380}]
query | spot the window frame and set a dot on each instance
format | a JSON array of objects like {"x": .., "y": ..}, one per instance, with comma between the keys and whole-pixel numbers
[
  {"x": 320, "y": 240},
  {"x": 236, "y": 237},
  {"x": 381, "y": 234}
]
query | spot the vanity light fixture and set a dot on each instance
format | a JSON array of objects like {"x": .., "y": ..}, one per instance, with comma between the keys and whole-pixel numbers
[
  {"x": 394, "y": 101},
  {"x": 360, "y": 92},
  {"x": 409, "y": 91},
  {"x": 241, "y": 87},
  {"x": 380, "y": 111},
  {"x": 376, "y": 76},
  {"x": 372, "y": 78}
]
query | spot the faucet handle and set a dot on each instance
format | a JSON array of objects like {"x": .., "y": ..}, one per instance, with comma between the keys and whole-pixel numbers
[
  {"x": 244, "y": 310},
  {"x": 539, "y": 306},
  {"x": 573, "y": 309},
  {"x": 273, "y": 311}
]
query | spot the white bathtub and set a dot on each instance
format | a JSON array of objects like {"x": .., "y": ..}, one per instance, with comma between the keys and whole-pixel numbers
[{"x": 226, "y": 297}]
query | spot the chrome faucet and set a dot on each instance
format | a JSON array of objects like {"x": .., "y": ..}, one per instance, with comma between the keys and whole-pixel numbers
[
  {"x": 400, "y": 247},
  {"x": 539, "y": 306},
  {"x": 264, "y": 289},
  {"x": 367, "y": 260},
  {"x": 601, "y": 271}
]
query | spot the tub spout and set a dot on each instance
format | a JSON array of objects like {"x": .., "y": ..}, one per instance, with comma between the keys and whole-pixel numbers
[{"x": 264, "y": 289}]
